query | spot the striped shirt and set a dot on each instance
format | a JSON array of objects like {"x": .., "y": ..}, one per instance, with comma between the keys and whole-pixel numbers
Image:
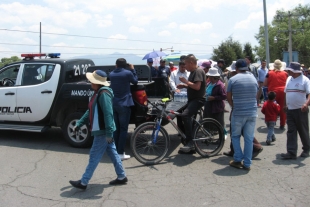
[
  {"x": 243, "y": 87},
  {"x": 296, "y": 90}
]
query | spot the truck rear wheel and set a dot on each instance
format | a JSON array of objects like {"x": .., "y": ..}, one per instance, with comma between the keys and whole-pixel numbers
[{"x": 80, "y": 139}]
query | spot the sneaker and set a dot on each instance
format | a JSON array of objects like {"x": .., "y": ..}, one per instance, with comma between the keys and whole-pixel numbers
[
  {"x": 288, "y": 156},
  {"x": 78, "y": 184},
  {"x": 188, "y": 147},
  {"x": 119, "y": 182},
  {"x": 124, "y": 156},
  {"x": 268, "y": 142},
  {"x": 234, "y": 164},
  {"x": 304, "y": 154},
  {"x": 229, "y": 154},
  {"x": 256, "y": 152},
  {"x": 273, "y": 138}
]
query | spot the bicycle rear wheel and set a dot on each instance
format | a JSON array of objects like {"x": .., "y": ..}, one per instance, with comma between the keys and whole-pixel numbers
[
  {"x": 208, "y": 138},
  {"x": 143, "y": 146}
]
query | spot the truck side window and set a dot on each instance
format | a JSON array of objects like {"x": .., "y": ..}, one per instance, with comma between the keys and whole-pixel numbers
[
  {"x": 34, "y": 74},
  {"x": 9, "y": 73}
]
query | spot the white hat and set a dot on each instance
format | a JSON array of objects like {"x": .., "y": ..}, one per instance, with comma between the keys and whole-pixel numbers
[
  {"x": 98, "y": 77},
  {"x": 213, "y": 72},
  {"x": 232, "y": 67}
]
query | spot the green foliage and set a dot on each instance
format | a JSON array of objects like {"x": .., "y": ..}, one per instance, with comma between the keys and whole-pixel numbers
[
  {"x": 228, "y": 50},
  {"x": 300, "y": 20},
  {"x": 247, "y": 51},
  {"x": 5, "y": 61},
  {"x": 231, "y": 50}
]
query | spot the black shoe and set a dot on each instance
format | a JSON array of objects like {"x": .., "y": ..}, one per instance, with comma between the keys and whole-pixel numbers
[
  {"x": 268, "y": 142},
  {"x": 282, "y": 127},
  {"x": 246, "y": 168},
  {"x": 119, "y": 182},
  {"x": 229, "y": 154},
  {"x": 273, "y": 138},
  {"x": 304, "y": 154},
  {"x": 256, "y": 152},
  {"x": 77, "y": 184},
  {"x": 288, "y": 156},
  {"x": 187, "y": 153}
]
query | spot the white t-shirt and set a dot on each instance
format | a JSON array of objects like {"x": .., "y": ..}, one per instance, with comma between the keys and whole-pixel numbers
[{"x": 296, "y": 90}]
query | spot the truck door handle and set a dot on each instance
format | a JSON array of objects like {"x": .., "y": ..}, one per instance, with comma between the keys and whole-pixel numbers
[
  {"x": 46, "y": 91},
  {"x": 9, "y": 93}
]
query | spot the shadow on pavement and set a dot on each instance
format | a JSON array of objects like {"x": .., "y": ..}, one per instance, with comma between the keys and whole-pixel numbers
[
  {"x": 280, "y": 161},
  {"x": 230, "y": 171},
  {"x": 93, "y": 192}
]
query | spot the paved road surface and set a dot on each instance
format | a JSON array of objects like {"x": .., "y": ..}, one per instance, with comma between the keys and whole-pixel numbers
[{"x": 35, "y": 170}]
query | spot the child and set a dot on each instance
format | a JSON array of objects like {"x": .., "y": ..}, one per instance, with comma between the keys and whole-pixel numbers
[{"x": 271, "y": 110}]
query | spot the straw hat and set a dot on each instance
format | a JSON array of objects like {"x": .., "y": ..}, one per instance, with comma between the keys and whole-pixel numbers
[
  {"x": 98, "y": 77},
  {"x": 277, "y": 64}
]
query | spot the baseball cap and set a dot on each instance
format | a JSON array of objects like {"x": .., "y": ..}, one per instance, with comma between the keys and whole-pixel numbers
[
  {"x": 241, "y": 64},
  {"x": 150, "y": 60}
]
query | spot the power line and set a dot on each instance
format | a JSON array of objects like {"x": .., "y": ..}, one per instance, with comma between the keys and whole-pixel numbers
[
  {"x": 108, "y": 38},
  {"x": 98, "y": 48}
]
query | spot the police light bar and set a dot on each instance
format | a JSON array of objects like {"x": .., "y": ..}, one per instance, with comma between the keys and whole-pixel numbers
[
  {"x": 53, "y": 55},
  {"x": 33, "y": 55}
]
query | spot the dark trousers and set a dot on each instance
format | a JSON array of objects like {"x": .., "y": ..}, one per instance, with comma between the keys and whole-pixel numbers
[
  {"x": 121, "y": 119},
  {"x": 207, "y": 113},
  {"x": 297, "y": 121},
  {"x": 191, "y": 109}
]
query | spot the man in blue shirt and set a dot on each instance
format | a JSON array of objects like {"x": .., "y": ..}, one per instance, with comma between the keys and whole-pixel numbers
[
  {"x": 120, "y": 83},
  {"x": 153, "y": 70},
  {"x": 241, "y": 95},
  {"x": 262, "y": 72}
]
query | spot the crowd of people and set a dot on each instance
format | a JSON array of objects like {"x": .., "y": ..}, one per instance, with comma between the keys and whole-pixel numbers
[{"x": 240, "y": 84}]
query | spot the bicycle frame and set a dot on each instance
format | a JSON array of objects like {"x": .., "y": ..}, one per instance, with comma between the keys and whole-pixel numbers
[{"x": 166, "y": 115}]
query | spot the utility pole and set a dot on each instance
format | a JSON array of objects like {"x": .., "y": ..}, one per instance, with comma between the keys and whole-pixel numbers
[
  {"x": 40, "y": 39},
  {"x": 266, "y": 34},
  {"x": 290, "y": 48}
]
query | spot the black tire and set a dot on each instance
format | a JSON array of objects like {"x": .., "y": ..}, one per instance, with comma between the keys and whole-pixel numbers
[
  {"x": 209, "y": 138},
  {"x": 142, "y": 147},
  {"x": 83, "y": 139}
]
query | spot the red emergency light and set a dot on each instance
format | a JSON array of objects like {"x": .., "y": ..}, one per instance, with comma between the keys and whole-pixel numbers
[{"x": 33, "y": 55}]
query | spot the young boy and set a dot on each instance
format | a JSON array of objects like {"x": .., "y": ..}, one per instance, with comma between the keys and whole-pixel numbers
[{"x": 271, "y": 110}]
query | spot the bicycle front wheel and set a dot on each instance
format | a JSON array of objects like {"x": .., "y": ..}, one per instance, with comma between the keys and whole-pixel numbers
[
  {"x": 146, "y": 148},
  {"x": 209, "y": 137}
]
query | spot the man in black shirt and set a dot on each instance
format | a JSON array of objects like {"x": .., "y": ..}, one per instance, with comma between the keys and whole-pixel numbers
[{"x": 196, "y": 89}]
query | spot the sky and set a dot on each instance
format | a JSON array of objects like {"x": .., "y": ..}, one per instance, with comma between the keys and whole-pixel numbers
[{"x": 77, "y": 28}]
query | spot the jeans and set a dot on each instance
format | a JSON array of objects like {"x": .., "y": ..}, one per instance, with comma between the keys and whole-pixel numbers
[
  {"x": 270, "y": 126},
  {"x": 96, "y": 152},
  {"x": 121, "y": 119},
  {"x": 246, "y": 125}
]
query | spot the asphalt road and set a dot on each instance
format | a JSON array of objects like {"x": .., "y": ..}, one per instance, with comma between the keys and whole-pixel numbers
[{"x": 35, "y": 170}]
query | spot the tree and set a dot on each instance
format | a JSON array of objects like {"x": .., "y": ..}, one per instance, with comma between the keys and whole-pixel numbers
[
  {"x": 279, "y": 28},
  {"x": 228, "y": 50},
  {"x": 247, "y": 51},
  {"x": 5, "y": 61}
]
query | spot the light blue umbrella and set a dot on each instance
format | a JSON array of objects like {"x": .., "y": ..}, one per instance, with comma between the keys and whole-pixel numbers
[{"x": 154, "y": 54}]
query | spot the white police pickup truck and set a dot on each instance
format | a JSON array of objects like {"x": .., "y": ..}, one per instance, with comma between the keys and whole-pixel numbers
[{"x": 36, "y": 94}]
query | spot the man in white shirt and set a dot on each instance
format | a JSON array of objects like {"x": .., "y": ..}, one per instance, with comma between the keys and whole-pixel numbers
[
  {"x": 296, "y": 106},
  {"x": 175, "y": 75}
]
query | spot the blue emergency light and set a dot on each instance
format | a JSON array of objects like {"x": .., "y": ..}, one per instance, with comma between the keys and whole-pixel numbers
[{"x": 53, "y": 55}]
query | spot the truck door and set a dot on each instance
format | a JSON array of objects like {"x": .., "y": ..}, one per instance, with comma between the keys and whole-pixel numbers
[
  {"x": 8, "y": 80},
  {"x": 37, "y": 91}
]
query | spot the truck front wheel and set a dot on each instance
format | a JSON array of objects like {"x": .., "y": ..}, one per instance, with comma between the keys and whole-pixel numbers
[{"x": 80, "y": 139}]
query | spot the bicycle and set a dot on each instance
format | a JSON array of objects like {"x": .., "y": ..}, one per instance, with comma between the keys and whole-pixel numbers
[{"x": 150, "y": 141}]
